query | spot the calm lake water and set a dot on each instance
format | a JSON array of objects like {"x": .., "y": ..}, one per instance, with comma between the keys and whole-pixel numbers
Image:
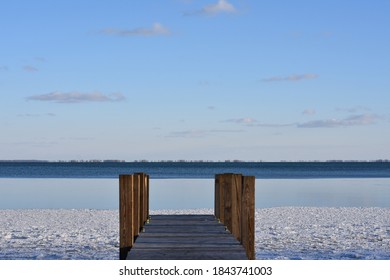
[
  {"x": 196, "y": 170},
  {"x": 184, "y": 185},
  {"x": 192, "y": 193}
]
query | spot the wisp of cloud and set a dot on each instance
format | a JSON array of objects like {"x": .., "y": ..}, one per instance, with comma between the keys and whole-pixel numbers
[{"x": 77, "y": 97}]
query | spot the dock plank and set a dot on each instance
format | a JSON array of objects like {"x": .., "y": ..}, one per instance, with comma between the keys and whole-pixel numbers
[{"x": 186, "y": 237}]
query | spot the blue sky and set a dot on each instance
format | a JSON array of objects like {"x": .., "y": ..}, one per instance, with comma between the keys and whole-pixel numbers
[{"x": 181, "y": 79}]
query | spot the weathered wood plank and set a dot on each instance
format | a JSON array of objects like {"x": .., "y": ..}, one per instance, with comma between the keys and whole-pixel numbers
[
  {"x": 217, "y": 198},
  {"x": 175, "y": 237},
  {"x": 186, "y": 254},
  {"x": 202, "y": 240},
  {"x": 183, "y": 216},
  {"x": 147, "y": 179},
  {"x": 232, "y": 186},
  {"x": 248, "y": 216},
  {"x": 126, "y": 239},
  {"x": 186, "y": 234},
  {"x": 221, "y": 190},
  {"x": 142, "y": 198},
  {"x": 198, "y": 229},
  {"x": 236, "y": 205},
  {"x": 136, "y": 208},
  {"x": 205, "y": 246}
]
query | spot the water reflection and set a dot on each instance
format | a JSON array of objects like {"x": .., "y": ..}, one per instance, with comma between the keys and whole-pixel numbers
[
  {"x": 323, "y": 193},
  {"x": 192, "y": 193}
]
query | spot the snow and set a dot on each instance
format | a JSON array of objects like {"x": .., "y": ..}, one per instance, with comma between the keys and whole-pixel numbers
[
  {"x": 323, "y": 233},
  {"x": 281, "y": 233},
  {"x": 59, "y": 234}
]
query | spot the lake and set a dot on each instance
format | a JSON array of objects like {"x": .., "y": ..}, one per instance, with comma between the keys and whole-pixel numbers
[{"x": 103, "y": 193}]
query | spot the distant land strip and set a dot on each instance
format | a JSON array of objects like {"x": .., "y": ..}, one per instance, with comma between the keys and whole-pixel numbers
[{"x": 179, "y": 161}]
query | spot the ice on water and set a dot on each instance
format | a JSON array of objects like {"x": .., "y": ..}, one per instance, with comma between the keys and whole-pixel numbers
[
  {"x": 58, "y": 234},
  {"x": 323, "y": 233},
  {"x": 281, "y": 233}
]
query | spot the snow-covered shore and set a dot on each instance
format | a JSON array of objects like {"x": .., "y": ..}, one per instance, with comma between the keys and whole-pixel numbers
[{"x": 281, "y": 233}]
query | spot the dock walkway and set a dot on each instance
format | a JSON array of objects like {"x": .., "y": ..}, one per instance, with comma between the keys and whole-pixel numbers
[
  {"x": 186, "y": 237},
  {"x": 228, "y": 234}
]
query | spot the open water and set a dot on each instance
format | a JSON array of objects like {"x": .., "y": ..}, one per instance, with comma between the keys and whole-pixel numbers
[
  {"x": 191, "y": 185},
  {"x": 197, "y": 170}
]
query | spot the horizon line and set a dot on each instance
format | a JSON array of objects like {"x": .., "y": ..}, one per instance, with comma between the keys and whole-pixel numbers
[{"x": 186, "y": 161}]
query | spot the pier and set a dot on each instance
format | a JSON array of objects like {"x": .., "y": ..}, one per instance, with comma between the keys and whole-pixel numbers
[{"x": 228, "y": 234}]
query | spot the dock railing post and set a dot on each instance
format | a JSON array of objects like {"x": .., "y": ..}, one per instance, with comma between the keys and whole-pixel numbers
[
  {"x": 231, "y": 184},
  {"x": 133, "y": 209},
  {"x": 147, "y": 197},
  {"x": 248, "y": 216},
  {"x": 234, "y": 206},
  {"x": 137, "y": 202},
  {"x": 217, "y": 198},
  {"x": 144, "y": 198},
  {"x": 126, "y": 196}
]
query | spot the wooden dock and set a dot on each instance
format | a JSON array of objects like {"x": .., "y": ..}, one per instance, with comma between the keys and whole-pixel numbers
[
  {"x": 228, "y": 234},
  {"x": 186, "y": 237}
]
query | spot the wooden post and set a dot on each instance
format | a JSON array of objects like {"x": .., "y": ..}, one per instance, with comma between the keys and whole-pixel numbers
[
  {"x": 141, "y": 199},
  {"x": 227, "y": 194},
  {"x": 217, "y": 198},
  {"x": 222, "y": 179},
  {"x": 228, "y": 183},
  {"x": 126, "y": 239},
  {"x": 137, "y": 202},
  {"x": 234, "y": 205},
  {"x": 248, "y": 216},
  {"x": 232, "y": 185},
  {"x": 143, "y": 194},
  {"x": 145, "y": 213},
  {"x": 147, "y": 197}
]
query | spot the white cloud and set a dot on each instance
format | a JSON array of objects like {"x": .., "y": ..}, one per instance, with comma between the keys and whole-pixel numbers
[
  {"x": 273, "y": 124},
  {"x": 157, "y": 29},
  {"x": 222, "y": 6},
  {"x": 353, "y": 109},
  {"x": 354, "y": 120},
  {"x": 242, "y": 120},
  {"x": 36, "y": 115},
  {"x": 77, "y": 97},
  {"x": 255, "y": 123},
  {"x": 291, "y": 78}
]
